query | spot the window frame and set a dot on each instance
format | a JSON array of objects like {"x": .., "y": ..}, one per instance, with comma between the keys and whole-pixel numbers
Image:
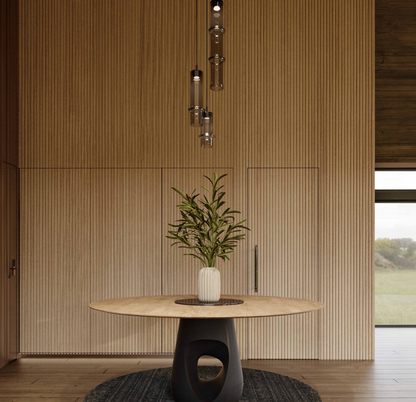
[{"x": 390, "y": 197}]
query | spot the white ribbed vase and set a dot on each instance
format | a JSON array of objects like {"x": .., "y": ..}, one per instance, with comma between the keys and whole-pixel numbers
[{"x": 209, "y": 285}]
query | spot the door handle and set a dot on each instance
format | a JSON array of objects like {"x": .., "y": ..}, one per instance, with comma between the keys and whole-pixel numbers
[
  {"x": 13, "y": 269},
  {"x": 256, "y": 269}
]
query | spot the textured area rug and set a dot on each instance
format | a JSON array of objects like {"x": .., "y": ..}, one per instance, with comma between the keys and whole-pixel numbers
[{"x": 154, "y": 386}]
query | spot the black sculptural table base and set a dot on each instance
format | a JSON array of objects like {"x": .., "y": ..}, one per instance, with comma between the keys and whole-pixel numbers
[{"x": 206, "y": 337}]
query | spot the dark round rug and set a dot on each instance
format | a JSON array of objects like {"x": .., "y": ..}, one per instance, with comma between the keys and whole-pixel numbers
[{"x": 154, "y": 386}]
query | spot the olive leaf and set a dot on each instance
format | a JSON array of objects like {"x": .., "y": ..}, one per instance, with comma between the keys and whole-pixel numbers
[{"x": 203, "y": 229}]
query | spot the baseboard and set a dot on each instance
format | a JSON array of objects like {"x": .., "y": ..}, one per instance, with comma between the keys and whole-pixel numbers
[{"x": 92, "y": 356}]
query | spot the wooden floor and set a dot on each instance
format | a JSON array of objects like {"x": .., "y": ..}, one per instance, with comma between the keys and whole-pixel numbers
[{"x": 391, "y": 377}]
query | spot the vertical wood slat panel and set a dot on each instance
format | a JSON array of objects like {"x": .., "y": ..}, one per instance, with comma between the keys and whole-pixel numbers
[
  {"x": 283, "y": 217},
  {"x": 13, "y": 254},
  {"x": 4, "y": 313},
  {"x": 347, "y": 179},
  {"x": 55, "y": 101},
  {"x": 55, "y": 281},
  {"x": 282, "y": 68},
  {"x": 126, "y": 255},
  {"x": 79, "y": 59},
  {"x": 94, "y": 80},
  {"x": 9, "y": 302},
  {"x": 180, "y": 273}
]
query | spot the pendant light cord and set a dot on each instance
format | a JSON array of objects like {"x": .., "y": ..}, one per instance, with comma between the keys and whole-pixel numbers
[
  {"x": 206, "y": 51},
  {"x": 196, "y": 35}
]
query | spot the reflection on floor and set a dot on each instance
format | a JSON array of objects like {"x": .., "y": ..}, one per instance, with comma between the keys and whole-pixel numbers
[{"x": 391, "y": 377}]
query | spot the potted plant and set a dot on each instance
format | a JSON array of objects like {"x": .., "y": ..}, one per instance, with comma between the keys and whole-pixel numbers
[{"x": 209, "y": 231}]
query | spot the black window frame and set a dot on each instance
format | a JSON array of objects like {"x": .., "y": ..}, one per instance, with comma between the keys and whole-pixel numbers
[{"x": 395, "y": 197}]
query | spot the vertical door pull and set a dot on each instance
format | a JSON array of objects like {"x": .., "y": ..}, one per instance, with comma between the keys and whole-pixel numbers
[
  {"x": 256, "y": 268},
  {"x": 13, "y": 269}
]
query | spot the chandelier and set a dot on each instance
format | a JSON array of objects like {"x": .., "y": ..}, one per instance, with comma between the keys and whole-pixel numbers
[{"x": 200, "y": 116}]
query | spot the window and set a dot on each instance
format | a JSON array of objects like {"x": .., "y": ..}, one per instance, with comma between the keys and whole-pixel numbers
[{"x": 395, "y": 247}]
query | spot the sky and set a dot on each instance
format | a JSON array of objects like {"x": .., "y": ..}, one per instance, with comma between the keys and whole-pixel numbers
[{"x": 395, "y": 220}]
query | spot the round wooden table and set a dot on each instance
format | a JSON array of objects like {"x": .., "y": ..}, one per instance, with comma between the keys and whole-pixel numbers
[{"x": 206, "y": 331}]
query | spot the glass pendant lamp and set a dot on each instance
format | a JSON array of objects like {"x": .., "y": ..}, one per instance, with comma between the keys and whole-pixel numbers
[
  {"x": 207, "y": 136},
  {"x": 196, "y": 97},
  {"x": 197, "y": 84},
  {"x": 199, "y": 116},
  {"x": 216, "y": 58}
]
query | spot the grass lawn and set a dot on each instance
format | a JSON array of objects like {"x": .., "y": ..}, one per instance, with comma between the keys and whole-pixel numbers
[{"x": 396, "y": 297}]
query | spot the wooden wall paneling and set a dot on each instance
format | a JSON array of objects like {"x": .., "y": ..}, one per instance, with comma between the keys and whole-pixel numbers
[
  {"x": 13, "y": 256},
  {"x": 180, "y": 273},
  {"x": 56, "y": 84},
  {"x": 395, "y": 41},
  {"x": 9, "y": 176},
  {"x": 12, "y": 152},
  {"x": 9, "y": 73},
  {"x": 304, "y": 98},
  {"x": 89, "y": 69},
  {"x": 55, "y": 261},
  {"x": 283, "y": 218},
  {"x": 126, "y": 256},
  {"x": 3, "y": 81},
  {"x": 79, "y": 57},
  {"x": 4, "y": 288},
  {"x": 3, "y": 187},
  {"x": 347, "y": 180},
  {"x": 283, "y": 68}
]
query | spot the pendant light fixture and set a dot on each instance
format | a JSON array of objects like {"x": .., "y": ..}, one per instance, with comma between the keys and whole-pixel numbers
[
  {"x": 197, "y": 84},
  {"x": 196, "y": 97},
  {"x": 216, "y": 58},
  {"x": 201, "y": 117},
  {"x": 207, "y": 136}
]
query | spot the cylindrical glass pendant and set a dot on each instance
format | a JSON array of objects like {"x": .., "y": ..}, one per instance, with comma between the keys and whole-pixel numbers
[
  {"x": 217, "y": 77},
  {"x": 216, "y": 53},
  {"x": 207, "y": 136},
  {"x": 196, "y": 98}
]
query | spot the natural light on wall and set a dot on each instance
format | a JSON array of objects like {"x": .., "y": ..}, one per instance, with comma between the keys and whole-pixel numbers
[{"x": 395, "y": 251}]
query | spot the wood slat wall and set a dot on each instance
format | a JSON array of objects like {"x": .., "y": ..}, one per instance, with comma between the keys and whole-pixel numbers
[
  {"x": 125, "y": 255},
  {"x": 9, "y": 176},
  {"x": 75, "y": 52},
  {"x": 4, "y": 286},
  {"x": 3, "y": 81},
  {"x": 13, "y": 256},
  {"x": 288, "y": 264},
  {"x": 9, "y": 81},
  {"x": 347, "y": 180},
  {"x": 55, "y": 256},
  {"x": 102, "y": 87},
  {"x": 9, "y": 299}
]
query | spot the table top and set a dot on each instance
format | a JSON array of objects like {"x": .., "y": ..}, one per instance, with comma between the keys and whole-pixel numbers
[{"x": 165, "y": 307}]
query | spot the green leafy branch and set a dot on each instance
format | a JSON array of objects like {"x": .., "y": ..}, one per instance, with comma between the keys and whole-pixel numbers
[{"x": 203, "y": 229}]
